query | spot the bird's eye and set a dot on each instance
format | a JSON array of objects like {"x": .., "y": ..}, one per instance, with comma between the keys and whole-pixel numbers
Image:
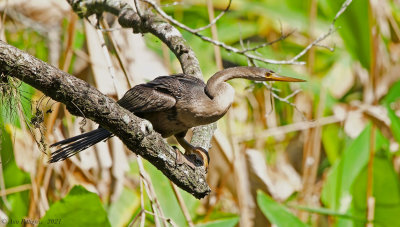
[{"x": 268, "y": 74}]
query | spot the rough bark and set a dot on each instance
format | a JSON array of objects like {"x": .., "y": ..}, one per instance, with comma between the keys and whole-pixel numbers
[{"x": 83, "y": 99}]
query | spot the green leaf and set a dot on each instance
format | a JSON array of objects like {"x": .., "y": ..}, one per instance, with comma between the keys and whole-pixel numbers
[
  {"x": 226, "y": 222},
  {"x": 79, "y": 208},
  {"x": 393, "y": 95},
  {"x": 121, "y": 211},
  {"x": 13, "y": 177},
  {"x": 329, "y": 212},
  {"x": 336, "y": 190},
  {"x": 353, "y": 27},
  {"x": 276, "y": 213},
  {"x": 344, "y": 190},
  {"x": 166, "y": 197},
  {"x": 331, "y": 142},
  {"x": 394, "y": 123},
  {"x": 386, "y": 190}
]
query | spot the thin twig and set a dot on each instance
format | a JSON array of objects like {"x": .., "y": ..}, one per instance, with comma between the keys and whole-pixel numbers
[
  {"x": 16, "y": 189},
  {"x": 213, "y": 21},
  {"x": 143, "y": 216},
  {"x": 331, "y": 30},
  {"x": 110, "y": 66},
  {"x": 137, "y": 7},
  {"x": 285, "y": 100},
  {"x": 182, "y": 204},
  {"x": 282, "y": 37},
  {"x": 172, "y": 4},
  {"x": 169, "y": 220},
  {"x": 141, "y": 212},
  {"x": 303, "y": 125},
  {"x": 117, "y": 51},
  {"x": 294, "y": 60},
  {"x": 150, "y": 190},
  {"x": 215, "y": 42}
]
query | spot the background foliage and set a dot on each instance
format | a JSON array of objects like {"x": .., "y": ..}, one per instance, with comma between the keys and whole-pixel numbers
[{"x": 328, "y": 155}]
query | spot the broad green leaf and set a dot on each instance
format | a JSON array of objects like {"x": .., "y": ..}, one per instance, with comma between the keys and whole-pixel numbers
[
  {"x": 329, "y": 212},
  {"x": 290, "y": 13},
  {"x": 394, "y": 123},
  {"x": 391, "y": 97},
  {"x": 276, "y": 213},
  {"x": 353, "y": 27},
  {"x": 336, "y": 190},
  {"x": 226, "y": 222},
  {"x": 121, "y": 211},
  {"x": 331, "y": 142},
  {"x": 393, "y": 94},
  {"x": 13, "y": 177},
  {"x": 79, "y": 208},
  {"x": 386, "y": 190}
]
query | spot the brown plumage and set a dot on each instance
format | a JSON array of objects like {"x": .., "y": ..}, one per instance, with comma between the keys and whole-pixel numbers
[{"x": 174, "y": 104}]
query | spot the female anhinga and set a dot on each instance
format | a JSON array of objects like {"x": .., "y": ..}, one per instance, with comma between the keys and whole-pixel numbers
[{"x": 174, "y": 104}]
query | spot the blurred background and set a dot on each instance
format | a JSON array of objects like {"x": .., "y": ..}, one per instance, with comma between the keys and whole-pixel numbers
[{"x": 320, "y": 153}]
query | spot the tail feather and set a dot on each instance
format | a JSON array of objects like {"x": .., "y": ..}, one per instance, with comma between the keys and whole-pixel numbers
[{"x": 76, "y": 144}]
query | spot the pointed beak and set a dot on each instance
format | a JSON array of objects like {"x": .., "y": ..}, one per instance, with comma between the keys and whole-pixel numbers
[{"x": 277, "y": 77}]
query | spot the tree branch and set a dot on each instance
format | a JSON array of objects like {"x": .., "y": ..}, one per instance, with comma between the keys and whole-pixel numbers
[
  {"x": 80, "y": 97},
  {"x": 150, "y": 22},
  {"x": 147, "y": 22}
]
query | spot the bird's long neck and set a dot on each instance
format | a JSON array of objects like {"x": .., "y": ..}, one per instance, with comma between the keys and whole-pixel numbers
[{"x": 216, "y": 82}]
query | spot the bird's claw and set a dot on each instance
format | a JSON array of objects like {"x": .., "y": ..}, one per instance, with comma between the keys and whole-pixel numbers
[{"x": 199, "y": 157}]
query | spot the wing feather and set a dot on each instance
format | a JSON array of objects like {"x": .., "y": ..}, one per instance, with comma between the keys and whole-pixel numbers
[{"x": 157, "y": 95}]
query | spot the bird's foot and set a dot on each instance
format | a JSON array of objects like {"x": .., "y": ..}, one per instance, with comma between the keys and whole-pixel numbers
[
  {"x": 181, "y": 158},
  {"x": 199, "y": 157},
  {"x": 194, "y": 158}
]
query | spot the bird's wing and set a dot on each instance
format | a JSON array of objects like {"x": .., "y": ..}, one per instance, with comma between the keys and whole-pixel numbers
[{"x": 159, "y": 94}]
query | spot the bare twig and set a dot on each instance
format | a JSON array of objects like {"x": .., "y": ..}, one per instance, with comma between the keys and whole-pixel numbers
[
  {"x": 214, "y": 20},
  {"x": 19, "y": 188},
  {"x": 137, "y": 7},
  {"x": 293, "y": 60},
  {"x": 169, "y": 220},
  {"x": 215, "y": 42},
  {"x": 117, "y": 51},
  {"x": 109, "y": 63},
  {"x": 140, "y": 214},
  {"x": 150, "y": 191},
  {"x": 296, "y": 127},
  {"x": 281, "y": 37},
  {"x": 182, "y": 204},
  {"x": 331, "y": 30},
  {"x": 286, "y": 100},
  {"x": 143, "y": 215}
]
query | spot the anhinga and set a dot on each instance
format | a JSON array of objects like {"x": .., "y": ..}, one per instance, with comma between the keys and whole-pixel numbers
[{"x": 174, "y": 104}]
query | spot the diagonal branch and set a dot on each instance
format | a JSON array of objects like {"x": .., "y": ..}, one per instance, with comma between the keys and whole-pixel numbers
[{"x": 81, "y": 98}]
